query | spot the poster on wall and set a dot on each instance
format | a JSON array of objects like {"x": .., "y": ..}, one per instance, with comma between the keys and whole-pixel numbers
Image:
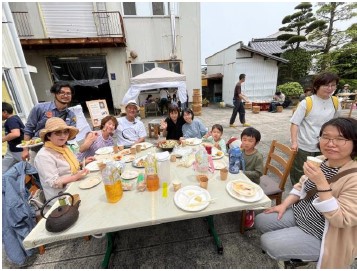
[{"x": 98, "y": 109}]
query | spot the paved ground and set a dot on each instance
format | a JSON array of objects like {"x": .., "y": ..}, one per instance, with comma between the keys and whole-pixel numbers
[{"x": 182, "y": 244}]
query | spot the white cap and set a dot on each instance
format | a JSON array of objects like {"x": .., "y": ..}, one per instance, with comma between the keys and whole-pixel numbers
[{"x": 132, "y": 102}]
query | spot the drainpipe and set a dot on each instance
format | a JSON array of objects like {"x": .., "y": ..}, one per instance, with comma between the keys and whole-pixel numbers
[
  {"x": 173, "y": 30},
  {"x": 19, "y": 51}
]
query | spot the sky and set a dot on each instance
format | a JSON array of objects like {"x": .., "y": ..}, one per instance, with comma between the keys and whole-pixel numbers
[{"x": 226, "y": 23}]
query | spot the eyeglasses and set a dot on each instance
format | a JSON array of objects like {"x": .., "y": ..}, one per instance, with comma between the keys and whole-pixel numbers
[
  {"x": 329, "y": 86},
  {"x": 63, "y": 132},
  {"x": 336, "y": 141},
  {"x": 64, "y": 94}
]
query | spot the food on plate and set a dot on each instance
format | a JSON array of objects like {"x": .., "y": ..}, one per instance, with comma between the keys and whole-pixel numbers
[
  {"x": 127, "y": 185},
  {"x": 125, "y": 152},
  {"x": 219, "y": 153},
  {"x": 117, "y": 157},
  {"x": 167, "y": 144},
  {"x": 31, "y": 142},
  {"x": 244, "y": 189},
  {"x": 140, "y": 163},
  {"x": 198, "y": 198}
]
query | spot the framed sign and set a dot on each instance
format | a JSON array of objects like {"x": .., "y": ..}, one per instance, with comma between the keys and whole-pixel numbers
[{"x": 98, "y": 109}]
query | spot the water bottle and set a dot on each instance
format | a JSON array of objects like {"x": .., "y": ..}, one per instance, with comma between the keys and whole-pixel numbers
[{"x": 236, "y": 160}]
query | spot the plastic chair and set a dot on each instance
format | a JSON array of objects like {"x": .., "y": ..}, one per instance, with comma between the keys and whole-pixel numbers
[{"x": 279, "y": 161}]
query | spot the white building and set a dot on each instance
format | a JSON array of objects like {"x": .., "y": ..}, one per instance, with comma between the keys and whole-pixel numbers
[
  {"x": 98, "y": 47},
  {"x": 261, "y": 71}
]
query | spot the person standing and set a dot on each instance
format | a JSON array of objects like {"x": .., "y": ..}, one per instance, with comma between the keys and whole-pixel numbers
[
  {"x": 238, "y": 103},
  {"x": 163, "y": 100},
  {"x": 305, "y": 129},
  {"x": 13, "y": 136},
  {"x": 38, "y": 116}
]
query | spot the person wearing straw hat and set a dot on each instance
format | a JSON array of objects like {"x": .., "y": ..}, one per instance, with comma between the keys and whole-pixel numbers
[{"x": 57, "y": 166}]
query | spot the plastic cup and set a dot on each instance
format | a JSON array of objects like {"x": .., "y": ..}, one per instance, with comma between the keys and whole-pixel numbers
[
  {"x": 115, "y": 149},
  {"x": 133, "y": 150},
  {"x": 313, "y": 160},
  {"x": 224, "y": 174},
  {"x": 204, "y": 182},
  {"x": 176, "y": 185},
  {"x": 173, "y": 158},
  {"x": 138, "y": 148},
  {"x": 121, "y": 147}
]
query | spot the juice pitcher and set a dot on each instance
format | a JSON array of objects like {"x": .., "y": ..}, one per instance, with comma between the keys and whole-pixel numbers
[{"x": 112, "y": 182}]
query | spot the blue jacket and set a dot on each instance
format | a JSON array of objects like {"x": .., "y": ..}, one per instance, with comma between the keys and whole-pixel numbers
[{"x": 18, "y": 218}]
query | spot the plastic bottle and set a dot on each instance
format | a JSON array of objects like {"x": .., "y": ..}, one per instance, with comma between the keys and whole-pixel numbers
[
  {"x": 152, "y": 178},
  {"x": 236, "y": 160}
]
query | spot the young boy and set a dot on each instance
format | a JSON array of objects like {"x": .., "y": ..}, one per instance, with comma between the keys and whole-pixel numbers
[
  {"x": 250, "y": 138},
  {"x": 13, "y": 136}
]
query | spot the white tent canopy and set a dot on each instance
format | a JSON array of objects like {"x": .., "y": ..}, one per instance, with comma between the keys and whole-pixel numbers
[{"x": 156, "y": 78}]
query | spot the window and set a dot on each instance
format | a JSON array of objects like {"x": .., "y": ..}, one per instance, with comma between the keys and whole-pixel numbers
[
  {"x": 174, "y": 66},
  {"x": 12, "y": 91},
  {"x": 158, "y": 8},
  {"x": 148, "y": 66},
  {"x": 129, "y": 8}
]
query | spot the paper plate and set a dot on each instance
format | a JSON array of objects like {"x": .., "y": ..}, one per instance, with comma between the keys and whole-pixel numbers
[
  {"x": 105, "y": 150},
  {"x": 124, "y": 152},
  {"x": 139, "y": 162},
  {"x": 29, "y": 146},
  {"x": 193, "y": 141},
  {"x": 89, "y": 183},
  {"x": 129, "y": 174},
  {"x": 128, "y": 158},
  {"x": 145, "y": 145},
  {"x": 258, "y": 196},
  {"x": 217, "y": 154},
  {"x": 192, "y": 198},
  {"x": 93, "y": 166}
]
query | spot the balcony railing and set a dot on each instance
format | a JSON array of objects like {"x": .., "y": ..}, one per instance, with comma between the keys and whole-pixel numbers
[
  {"x": 109, "y": 23},
  {"x": 22, "y": 23}
]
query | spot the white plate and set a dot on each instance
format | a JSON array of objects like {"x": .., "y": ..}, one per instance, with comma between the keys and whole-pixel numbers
[
  {"x": 258, "y": 196},
  {"x": 124, "y": 152},
  {"x": 93, "y": 166},
  {"x": 193, "y": 141},
  {"x": 129, "y": 174},
  {"x": 145, "y": 145},
  {"x": 179, "y": 152},
  {"x": 128, "y": 159},
  {"x": 135, "y": 162},
  {"x": 29, "y": 146},
  {"x": 105, "y": 150},
  {"x": 186, "y": 198},
  {"x": 86, "y": 184},
  {"x": 219, "y": 164},
  {"x": 214, "y": 154}
]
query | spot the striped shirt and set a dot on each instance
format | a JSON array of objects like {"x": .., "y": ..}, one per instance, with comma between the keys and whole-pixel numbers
[
  {"x": 307, "y": 217},
  {"x": 100, "y": 142}
]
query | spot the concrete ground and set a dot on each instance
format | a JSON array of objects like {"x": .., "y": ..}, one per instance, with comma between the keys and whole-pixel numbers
[{"x": 182, "y": 244}]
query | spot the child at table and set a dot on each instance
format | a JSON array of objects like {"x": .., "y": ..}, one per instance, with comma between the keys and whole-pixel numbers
[
  {"x": 215, "y": 137},
  {"x": 250, "y": 138}
]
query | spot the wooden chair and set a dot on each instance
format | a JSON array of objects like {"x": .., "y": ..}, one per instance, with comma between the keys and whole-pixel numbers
[
  {"x": 279, "y": 161},
  {"x": 151, "y": 108}
]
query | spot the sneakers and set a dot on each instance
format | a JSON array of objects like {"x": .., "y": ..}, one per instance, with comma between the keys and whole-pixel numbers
[
  {"x": 233, "y": 125},
  {"x": 249, "y": 219},
  {"x": 246, "y": 125}
]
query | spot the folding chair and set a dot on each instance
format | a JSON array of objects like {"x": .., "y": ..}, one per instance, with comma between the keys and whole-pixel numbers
[{"x": 279, "y": 161}]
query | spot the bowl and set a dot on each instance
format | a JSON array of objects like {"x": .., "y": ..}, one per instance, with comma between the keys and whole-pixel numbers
[{"x": 168, "y": 145}]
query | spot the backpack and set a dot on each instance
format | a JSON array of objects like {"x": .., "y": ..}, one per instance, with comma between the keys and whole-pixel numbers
[{"x": 309, "y": 104}]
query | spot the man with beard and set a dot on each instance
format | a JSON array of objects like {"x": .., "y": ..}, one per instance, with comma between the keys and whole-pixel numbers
[{"x": 43, "y": 111}]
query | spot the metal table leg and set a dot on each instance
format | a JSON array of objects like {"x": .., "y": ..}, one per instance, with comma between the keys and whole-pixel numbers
[
  {"x": 109, "y": 250},
  {"x": 213, "y": 232}
]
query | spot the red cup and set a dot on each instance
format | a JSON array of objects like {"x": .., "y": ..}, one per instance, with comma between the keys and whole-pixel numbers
[{"x": 208, "y": 149}]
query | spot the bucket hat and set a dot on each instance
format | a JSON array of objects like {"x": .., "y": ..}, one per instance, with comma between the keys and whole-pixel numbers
[
  {"x": 57, "y": 124},
  {"x": 132, "y": 102}
]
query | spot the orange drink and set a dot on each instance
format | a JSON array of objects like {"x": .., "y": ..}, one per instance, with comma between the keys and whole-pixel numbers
[
  {"x": 114, "y": 192},
  {"x": 152, "y": 182}
]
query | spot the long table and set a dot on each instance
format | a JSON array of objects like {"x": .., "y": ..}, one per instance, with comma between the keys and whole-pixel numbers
[{"x": 140, "y": 209}]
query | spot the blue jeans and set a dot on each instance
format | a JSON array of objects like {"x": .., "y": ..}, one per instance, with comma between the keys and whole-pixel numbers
[
  {"x": 284, "y": 240},
  {"x": 238, "y": 108}
]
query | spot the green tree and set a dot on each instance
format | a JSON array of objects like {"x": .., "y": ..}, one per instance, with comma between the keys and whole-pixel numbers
[
  {"x": 330, "y": 37},
  {"x": 299, "y": 25}
]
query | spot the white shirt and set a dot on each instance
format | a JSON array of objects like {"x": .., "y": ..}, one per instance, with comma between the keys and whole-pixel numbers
[
  {"x": 163, "y": 94},
  {"x": 309, "y": 127},
  {"x": 128, "y": 132}
]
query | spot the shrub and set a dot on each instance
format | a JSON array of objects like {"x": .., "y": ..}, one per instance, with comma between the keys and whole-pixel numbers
[{"x": 292, "y": 89}]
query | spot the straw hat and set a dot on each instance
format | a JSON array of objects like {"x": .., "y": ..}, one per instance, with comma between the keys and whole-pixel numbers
[
  {"x": 132, "y": 102},
  {"x": 346, "y": 85},
  {"x": 57, "y": 124}
]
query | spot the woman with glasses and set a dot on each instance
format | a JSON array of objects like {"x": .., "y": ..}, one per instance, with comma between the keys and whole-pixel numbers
[
  {"x": 98, "y": 139},
  {"x": 305, "y": 125},
  {"x": 318, "y": 219},
  {"x": 57, "y": 166},
  {"x": 193, "y": 128}
]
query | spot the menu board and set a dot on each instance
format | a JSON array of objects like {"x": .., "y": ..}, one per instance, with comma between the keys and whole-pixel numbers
[{"x": 98, "y": 109}]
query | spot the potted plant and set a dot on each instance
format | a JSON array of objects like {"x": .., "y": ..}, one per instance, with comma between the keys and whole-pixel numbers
[
  {"x": 205, "y": 102},
  {"x": 292, "y": 90}
]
